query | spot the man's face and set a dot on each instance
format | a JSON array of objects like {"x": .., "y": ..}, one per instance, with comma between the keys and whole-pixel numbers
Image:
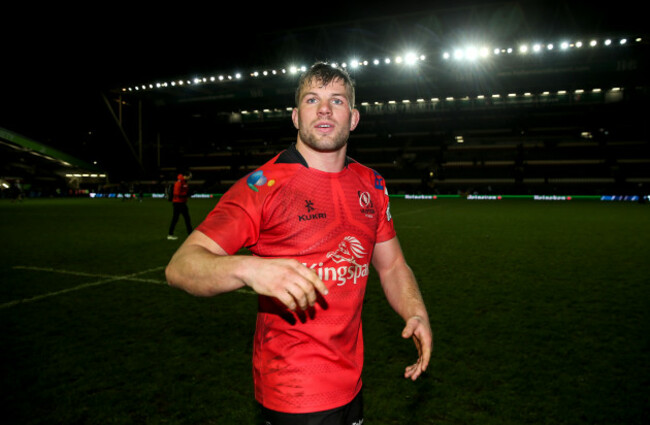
[{"x": 324, "y": 117}]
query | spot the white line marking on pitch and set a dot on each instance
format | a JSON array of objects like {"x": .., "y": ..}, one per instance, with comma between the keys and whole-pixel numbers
[
  {"x": 105, "y": 279},
  {"x": 105, "y": 276}
]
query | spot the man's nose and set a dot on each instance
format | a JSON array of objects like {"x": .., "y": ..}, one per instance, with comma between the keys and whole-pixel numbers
[{"x": 325, "y": 109}]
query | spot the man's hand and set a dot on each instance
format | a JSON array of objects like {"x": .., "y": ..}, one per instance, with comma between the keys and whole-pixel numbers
[
  {"x": 419, "y": 329},
  {"x": 289, "y": 281}
]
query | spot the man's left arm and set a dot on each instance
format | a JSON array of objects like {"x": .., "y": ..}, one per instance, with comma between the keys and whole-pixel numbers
[{"x": 403, "y": 294}]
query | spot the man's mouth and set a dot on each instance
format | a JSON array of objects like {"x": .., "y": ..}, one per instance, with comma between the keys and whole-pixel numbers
[{"x": 324, "y": 126}]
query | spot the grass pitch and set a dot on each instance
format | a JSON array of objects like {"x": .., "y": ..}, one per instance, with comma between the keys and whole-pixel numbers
[{"x": 539, "y": 310}]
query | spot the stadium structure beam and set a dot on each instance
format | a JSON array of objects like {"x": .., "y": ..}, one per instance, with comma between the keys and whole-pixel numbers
[{"x": 118, "y": 122}]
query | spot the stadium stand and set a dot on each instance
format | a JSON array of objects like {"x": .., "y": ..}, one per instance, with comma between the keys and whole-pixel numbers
[
  {"x": 542, "y": 142},
  {"x": 560, "y": 121},
  {"x": 38, "y": 170}
]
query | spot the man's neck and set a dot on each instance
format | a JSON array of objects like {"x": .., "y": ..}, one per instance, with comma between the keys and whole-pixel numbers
[{"x": 329, "y": 162}]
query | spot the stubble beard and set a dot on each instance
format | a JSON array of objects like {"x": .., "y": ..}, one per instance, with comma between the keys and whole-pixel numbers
[{"x": 324, "y": 143}]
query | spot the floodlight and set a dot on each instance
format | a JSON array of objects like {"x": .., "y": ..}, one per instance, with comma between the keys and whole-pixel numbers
[{"x": 410, "y": 58}]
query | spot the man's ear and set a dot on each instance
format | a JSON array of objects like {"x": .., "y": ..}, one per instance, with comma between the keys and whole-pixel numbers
[
  {"x": 294, "y": 118},
  {"x": 354, "y": 119}
]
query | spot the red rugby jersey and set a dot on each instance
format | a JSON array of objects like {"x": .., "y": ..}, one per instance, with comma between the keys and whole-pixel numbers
[
  {"x": 307, "y": 361},
  {"x": 181, "y": 191}
]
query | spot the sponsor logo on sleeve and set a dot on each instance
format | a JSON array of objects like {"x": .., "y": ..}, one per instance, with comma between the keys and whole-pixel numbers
[
  {"x": 258, "y": 179},
  {"x": 379, "y": 181}
]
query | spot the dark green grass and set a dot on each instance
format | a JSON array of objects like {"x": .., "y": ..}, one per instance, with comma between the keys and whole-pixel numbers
[{"x": 539, "y": 309}]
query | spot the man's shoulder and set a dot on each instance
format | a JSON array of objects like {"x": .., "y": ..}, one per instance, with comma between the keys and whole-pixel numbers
[
  {"x": 270, "y": 175},
  {"x": 367, "y": 173}
]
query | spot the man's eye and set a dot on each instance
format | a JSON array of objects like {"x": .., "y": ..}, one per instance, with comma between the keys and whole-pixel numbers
[
  {"x": 337, "y": 101},
  {"x": 311, "y": 100}
]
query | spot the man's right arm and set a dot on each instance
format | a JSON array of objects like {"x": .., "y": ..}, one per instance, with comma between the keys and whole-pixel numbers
[{"x": 202, "y": 268}]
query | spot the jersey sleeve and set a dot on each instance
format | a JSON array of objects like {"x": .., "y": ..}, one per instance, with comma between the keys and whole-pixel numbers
[
  {"x": 385, "y": 228},
  {"x": 234, "y": 222}
]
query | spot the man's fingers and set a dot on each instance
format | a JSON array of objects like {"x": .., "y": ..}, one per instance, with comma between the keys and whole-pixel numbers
[
  {"x": 314, "y": 281},
  {"x": 286, "y": 298},
  {"x": 417, "y": 330},
  {"x": 309, "y": 283},
  {"x": 289, "y": 281},
  {"x": 414, "y": 371},
  {"x": 303, "y": 288},
  {"x": 304, "y": 294}
]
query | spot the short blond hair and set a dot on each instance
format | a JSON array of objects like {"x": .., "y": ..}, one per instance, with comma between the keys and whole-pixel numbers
[{"x": 325, "y": 74}]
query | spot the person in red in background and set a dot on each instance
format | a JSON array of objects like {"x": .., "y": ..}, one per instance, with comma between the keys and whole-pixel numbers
[
  {"x": 315, "y": 220},
  {"x": 179, "y": 202}
]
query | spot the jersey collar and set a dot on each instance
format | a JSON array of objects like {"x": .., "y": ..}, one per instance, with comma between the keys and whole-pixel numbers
[{"x": 292, "y": 156}]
